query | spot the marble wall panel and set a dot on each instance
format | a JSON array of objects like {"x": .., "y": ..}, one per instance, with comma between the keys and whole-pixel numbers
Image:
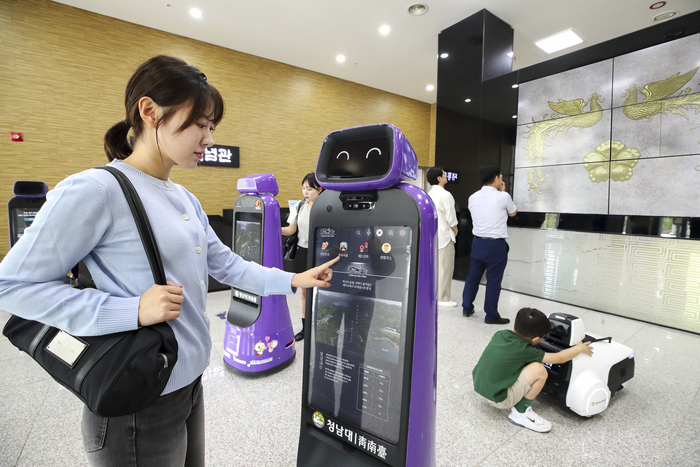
[
  {"x": 581, "y": 135},
  {"x": 635, "y": 70},
  {"x": 651, "y": 279},
  {"x": 665, "y": 186},
  {"x": 681, "y": 135},
  {"x": 642, "y": 135},
  {"x": 580, "y": 83},
  {"x": 564, "y": 188}
]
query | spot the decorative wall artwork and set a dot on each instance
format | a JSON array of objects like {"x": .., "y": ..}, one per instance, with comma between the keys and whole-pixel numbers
[{"x": 615, "y": 137}]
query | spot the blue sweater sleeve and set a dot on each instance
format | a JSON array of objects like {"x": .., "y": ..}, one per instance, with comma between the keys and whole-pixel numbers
[
  {"x": 229, "y": 268},
  {"x": 74, "y": 219}
]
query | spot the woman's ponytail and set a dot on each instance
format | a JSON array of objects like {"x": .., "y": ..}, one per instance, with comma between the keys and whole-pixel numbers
[{"x": 116, "y": 144}]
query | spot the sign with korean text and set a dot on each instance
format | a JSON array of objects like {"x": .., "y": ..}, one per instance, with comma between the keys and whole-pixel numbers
[
  {"x": 358, "y": 439},
  {"x": 221, "y": 156}
]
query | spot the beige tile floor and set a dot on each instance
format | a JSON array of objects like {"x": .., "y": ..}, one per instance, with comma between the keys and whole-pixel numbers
[{"x": 254, "y": 421}]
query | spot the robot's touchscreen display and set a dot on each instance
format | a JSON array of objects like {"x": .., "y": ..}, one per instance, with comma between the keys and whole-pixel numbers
[
  {"x": 247, "y": 241},
  {"x": 22, "y": 218},
  {"x": 357, "y": 348}
]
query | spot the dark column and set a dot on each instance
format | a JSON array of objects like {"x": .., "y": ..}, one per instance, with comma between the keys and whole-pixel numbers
[{"x": 482, "y": 131}]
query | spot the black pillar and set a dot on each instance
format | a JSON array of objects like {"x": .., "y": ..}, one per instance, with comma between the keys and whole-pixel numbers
[{"x": 481, "y": 131}]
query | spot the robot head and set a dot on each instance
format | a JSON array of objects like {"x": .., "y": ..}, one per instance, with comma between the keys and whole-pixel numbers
[
  {"x": 566, "y": 329},
  {"x": 258, "y": 184},
  {"x": 371, "y": 157}
]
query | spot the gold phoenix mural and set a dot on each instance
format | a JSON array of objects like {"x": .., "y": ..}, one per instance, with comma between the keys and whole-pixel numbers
[{"x": 632, "y": 147}]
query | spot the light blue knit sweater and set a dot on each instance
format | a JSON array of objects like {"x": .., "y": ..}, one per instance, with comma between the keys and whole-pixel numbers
[{"x": 86, "y": 217}]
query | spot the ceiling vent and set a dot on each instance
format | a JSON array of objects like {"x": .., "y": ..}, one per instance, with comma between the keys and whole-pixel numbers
[{"x": 417, "y": 9}]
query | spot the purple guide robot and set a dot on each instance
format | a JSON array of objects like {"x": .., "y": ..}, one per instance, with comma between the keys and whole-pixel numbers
[
  {"x": 370, "y": 357},
  {"x": 259, "y": 338}
]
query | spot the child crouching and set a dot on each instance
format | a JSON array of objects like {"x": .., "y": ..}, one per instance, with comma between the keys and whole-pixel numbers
[{"x": 510, "y": 373}]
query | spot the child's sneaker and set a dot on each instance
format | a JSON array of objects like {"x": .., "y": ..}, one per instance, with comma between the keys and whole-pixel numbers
[{"x": 529, "y": 419}]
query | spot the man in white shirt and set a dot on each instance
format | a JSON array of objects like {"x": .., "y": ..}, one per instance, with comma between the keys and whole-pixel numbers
[
  {"x": 447, "y": 231},
  {"x": 490, "y": 208}
]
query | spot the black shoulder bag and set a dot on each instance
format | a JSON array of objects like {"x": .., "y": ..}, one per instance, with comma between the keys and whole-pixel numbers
[
  {"x": 289, "y": 247},
  {"x": 116, "y": 374}
]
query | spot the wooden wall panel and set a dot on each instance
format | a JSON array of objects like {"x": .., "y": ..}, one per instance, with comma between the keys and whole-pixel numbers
[{"x": 63, "y": 72}]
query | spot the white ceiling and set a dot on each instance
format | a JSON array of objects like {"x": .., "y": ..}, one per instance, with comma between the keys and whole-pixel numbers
[{"x": 310, "y": 33}]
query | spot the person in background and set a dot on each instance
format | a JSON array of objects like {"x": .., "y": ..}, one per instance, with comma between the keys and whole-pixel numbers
[
  {"x": 171, "y": 111},
  {"x": 299, "y": 221},
  {"x": 490, "y": 208},
  {"x": 510, "y": 373},
  {"x": 447, "y": 232}
]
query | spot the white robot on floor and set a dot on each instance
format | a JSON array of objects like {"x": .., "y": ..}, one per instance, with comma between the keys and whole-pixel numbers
[{"x": 585, "y": 384}]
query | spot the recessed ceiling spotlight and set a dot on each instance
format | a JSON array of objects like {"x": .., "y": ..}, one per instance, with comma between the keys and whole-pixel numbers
[
  {"x": 417, "y": 9},
  {"x": 515, "y": 116},
  {"x": 664, "y": 16},
  {"x": 510, "y": 54},
  {"x": 340, "y": 58},
  {"x": 514, "y": 86},
  {"x": 444, "y": 55},
  {"x": 467, "y": 100},
  {"x": 559, "y": 41},
  {"x": 384, "y": 30},
  {"x": 657, "y": 5},
  {"x": 430, "y": 87},
  {"x": 195, "y": 13}
]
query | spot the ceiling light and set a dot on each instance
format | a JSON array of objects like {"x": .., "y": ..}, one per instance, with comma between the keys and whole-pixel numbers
[
  {"x": 664, "y": 16},
  {"x": 445, "y": 55},
  {"x": 467, "y": 100},
  {"x": 514, "y": 86},
  {"x": 559, "y": 41},
  {"x": 510, "y": 54},
  {"x": 430, "y": 87},
  {"x": 340, "y": 58},
  {"x": 417, "y": 9},
  {"x": 515, "y": 116},
  {"x": 384, "y": 30},
  {"x": 195, "y": 13}
]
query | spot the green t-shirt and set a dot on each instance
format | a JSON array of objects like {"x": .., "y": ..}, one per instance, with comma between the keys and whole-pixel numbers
[{"x": 501, "y": 363}]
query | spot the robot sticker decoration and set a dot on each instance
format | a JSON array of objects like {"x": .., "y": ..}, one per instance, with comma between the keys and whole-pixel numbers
[
  {"x": 268, "y": 345},
  {"x": 613, "y": 137}
]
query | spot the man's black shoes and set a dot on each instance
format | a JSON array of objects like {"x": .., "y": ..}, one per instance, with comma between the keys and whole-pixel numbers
[
  {"x": 498, "y": 321},
  {"x": 467, "y": 313}
]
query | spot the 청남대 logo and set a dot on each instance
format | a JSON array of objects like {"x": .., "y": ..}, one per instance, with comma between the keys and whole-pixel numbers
[{"x": 319, "y": 421}]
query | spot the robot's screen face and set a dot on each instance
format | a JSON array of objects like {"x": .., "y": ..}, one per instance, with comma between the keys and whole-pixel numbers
[{"x": 359, "y": 159}]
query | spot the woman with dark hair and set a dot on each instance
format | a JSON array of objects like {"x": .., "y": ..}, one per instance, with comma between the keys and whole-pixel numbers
[
  {"x": 299, "y": 218},
  {"x": 171, "y": 110}
]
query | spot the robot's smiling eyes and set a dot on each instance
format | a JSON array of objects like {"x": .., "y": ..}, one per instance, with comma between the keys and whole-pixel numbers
[
  {"x": 347, "y": 154},
  {"x": 373, "y": 149}
]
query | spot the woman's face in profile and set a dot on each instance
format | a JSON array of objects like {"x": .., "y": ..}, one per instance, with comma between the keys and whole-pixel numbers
[{"x": 310, "y": 193}]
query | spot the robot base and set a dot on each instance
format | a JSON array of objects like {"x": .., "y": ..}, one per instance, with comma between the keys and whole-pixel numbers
[{"x": 251, "y": 374}]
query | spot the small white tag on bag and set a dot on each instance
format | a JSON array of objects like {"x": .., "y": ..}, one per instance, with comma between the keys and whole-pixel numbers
[{"x": 66, "y": 348}]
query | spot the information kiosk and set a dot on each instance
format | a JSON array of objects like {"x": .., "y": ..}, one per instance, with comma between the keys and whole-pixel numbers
[
  {"x": 259, "y": 337},
  {"x": 370, "y": 354},
  {"x": 22, "y": 208}
]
